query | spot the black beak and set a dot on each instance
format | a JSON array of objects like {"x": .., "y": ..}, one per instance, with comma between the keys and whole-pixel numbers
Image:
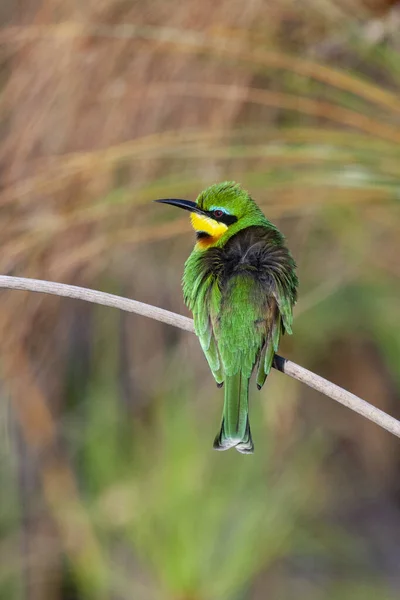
[{"x": 185, "y": 204}]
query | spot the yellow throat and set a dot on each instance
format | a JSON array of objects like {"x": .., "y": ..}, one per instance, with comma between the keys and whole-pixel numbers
[{"x": 214, "y": 229}]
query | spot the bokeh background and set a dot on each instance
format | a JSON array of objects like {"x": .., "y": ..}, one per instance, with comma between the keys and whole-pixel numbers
[{"x": 109, "y": 488}]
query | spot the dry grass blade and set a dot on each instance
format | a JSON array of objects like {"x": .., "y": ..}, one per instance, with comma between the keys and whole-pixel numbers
[
  {"x": 308, "y": 106},
  {"x": 235, "y": 46},
  {"x": 77, "y": 162}
]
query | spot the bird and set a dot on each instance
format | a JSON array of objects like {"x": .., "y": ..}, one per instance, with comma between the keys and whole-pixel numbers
[{"x": 240, "y": 284}]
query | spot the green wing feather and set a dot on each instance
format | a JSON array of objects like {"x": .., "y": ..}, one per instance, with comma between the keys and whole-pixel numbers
[
  {"x": 204, "y": 315},
  {"x": 205, "y": 308},
  {"x": 285, "y": 305},
  {"x": 270, "y": 347}
]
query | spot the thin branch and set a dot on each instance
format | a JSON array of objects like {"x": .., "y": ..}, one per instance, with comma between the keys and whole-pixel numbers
[{"x": 159, "y": 314}]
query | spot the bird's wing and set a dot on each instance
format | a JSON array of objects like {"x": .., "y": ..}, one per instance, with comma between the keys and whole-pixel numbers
[
  {"x": 205, "y": 312},
  {"x": 283, "y": 292},
  {"x": 278, "y": 321},
  {"x": 273, "y": 330},
  {"x": 285, "y": 307}
]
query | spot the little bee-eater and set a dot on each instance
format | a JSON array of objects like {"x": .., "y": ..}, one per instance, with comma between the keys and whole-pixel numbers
[{"x": 240, "y": 283}]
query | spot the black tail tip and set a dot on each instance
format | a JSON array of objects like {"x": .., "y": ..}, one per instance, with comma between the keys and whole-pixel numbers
[
  {"x": 244, "y": 446},
  {"x": 222, "y": 444}
]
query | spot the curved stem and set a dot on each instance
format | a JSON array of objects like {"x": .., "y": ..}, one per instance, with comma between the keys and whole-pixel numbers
[{"x": 165, "y": 316}]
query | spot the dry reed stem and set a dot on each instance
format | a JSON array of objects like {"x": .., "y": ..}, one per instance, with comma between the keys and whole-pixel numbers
[{"x": 285, "y": 366}]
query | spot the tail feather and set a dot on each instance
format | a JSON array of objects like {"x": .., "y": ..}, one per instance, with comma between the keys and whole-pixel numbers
[{"x": 235, "y": 428}]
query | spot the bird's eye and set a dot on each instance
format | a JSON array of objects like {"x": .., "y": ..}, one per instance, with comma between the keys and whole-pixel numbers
[{"x": 218, "y": 213}]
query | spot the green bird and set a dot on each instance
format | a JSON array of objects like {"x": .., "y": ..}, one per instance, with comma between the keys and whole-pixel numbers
[{"x": 240, "y": 284}]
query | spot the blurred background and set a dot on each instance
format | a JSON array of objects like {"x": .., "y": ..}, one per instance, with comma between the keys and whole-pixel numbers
[{"x": 109, "y": 488}]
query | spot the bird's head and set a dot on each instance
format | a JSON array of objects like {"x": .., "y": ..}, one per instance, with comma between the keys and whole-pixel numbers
[{"x": 219, "y": 211}]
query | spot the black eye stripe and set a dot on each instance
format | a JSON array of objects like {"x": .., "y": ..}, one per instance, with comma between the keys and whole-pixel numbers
[{"x": 224, "y": 218}]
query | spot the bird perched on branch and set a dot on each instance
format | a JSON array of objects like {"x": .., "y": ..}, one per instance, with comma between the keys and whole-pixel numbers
[{"x": 240, "y": 284}]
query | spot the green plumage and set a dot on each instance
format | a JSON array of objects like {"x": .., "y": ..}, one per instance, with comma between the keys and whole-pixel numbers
[{"x": 241, "y": 288}]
